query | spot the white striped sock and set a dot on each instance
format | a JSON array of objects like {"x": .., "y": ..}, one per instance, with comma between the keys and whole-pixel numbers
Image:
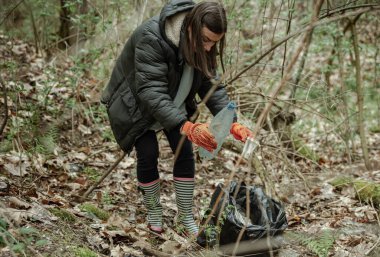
[
  {"x": 151, "y": 194},
  {"x": 184, "y": 194}
]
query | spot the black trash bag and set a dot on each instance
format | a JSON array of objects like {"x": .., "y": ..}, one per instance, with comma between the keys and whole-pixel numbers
[{"x": 267, "y": 216}]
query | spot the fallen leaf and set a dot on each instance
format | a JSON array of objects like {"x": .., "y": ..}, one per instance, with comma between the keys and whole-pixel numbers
[
  {"x": 117, "y": 221},
  {"x": 14, "y": 215},
  {"x": 16, "y": 169},
  {"x": 127, "y": 162},
  {"x": 171, "y": 247},
  {"x": 109, "y": 157},
  {"x": 14, "y": 202},
  {"x": 4, "y": 187},
  {"x": 85, "y": 130},
  {"x": 116, "y": 251}
]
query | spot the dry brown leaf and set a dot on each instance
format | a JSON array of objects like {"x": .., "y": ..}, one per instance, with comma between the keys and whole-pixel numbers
[
  {"x": 73, "y": 155},
  {"x": 84, "y": 130},
  {"x": 171, "y": 247},
  {"x": 117, "y": 221},
  {"x": 113, "y": 233},
  {"x": 127, "y": 162},
  {"x": 123, "y": 250},
  {"x": 14, "y": 215},
  {"x": 14, "y": 202},
  {"x": 109, "y": 157},
  {"x": 116, "y": 251},
  {"x": 16, "y": 169},
  {"x": 96, "y": 241}
]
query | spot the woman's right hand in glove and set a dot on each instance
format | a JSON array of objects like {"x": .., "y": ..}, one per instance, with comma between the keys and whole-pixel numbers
[{"x": 199, "y": 134}]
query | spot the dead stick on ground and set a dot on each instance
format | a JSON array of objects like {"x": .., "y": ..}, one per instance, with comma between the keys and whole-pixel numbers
[
  {"x": 2, "y": 126},
  {"x": 110, "y": 169}
]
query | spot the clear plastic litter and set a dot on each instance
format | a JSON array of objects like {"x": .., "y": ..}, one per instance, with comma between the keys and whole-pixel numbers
[
  {"x": 249, "y": 147},
  {"x": 220, "y": 128}
]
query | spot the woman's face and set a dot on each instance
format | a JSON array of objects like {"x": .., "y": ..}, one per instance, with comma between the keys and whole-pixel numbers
[{"x": 209, "y": 38}]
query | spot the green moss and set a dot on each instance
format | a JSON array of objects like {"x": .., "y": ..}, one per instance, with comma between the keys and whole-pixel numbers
[
  {"x": 375, "y": 129},
  {"x": 6, "y": 146},
  {"x": 340, "y": 182},
  {"x": 89, "y": 208},
  {"x": 84, "y": 252},
  {"x": 304, "y": 150},
  {"x": 92, "y": 174},
  {"x": 63, "y": 215},
  {"x": 366, "y": 191}
]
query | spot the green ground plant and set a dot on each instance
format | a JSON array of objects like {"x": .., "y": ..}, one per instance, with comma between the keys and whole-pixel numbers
[
  {"x": 92, "y": 173},
  {"x": 93, "y": 210},
  {"x": 63, "y": 215},
  {"x": 20, "y": 239},
  {"x": 84, "y": 252},
  {"x": 366, "y": 191},
  {"x": 319, "y": 244}
]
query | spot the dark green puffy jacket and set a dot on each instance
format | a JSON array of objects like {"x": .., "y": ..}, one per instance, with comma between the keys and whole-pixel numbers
[{"x": 146, "y": 78}]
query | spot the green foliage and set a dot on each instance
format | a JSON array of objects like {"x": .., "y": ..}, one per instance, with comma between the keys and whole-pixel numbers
[
  {"x": 63, "y": 215},
  {"x": 212, "y": 231},
  {"x": 3, "y": 231},
  {"x": 92, "y": 173},
  {"x": 303, "y": 150},
  {"x": 84, "y": 252},
  {"x": 21, "y": 238},
  {"x": 93, "y": 210},
  {"x": 108, "y": 199},
  {"x": 340, "y": 182},
  {"x": 366, "y": 191},
  {"x": 28, "y": 125},
  {"x": 375, "y": 129},
  {"x": 45, "y": 15},
  {"x": 46, "y": 143},
  {"x": 319, "y": 244}
]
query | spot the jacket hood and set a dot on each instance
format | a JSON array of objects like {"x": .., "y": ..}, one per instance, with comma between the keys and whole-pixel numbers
[{"x": 172, "y": 8}]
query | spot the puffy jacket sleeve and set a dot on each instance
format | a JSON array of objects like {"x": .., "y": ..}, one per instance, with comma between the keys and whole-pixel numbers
[
  {"x": 218, "y": 100},
  {"x": 152, "y": 84}
]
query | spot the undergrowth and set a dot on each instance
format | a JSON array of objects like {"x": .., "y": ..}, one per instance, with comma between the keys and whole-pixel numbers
[
  {"x": 319, "y": 244},
  {"x": 93, "y": 210}
]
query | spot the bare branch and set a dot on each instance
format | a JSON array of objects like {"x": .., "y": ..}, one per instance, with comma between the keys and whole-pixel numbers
[
  {"x": 5, "y": 106},
  {"x": 10, "y": 12},
  {"x": 360, "y": 97},
  {"x": 298, "y": 32}
]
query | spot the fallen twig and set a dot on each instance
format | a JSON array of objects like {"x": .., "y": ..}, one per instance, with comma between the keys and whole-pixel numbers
[
  {"x": 5, "y": 106},
  {"x": 373, "y": 247},
  {"x": 83, "y": 197}
]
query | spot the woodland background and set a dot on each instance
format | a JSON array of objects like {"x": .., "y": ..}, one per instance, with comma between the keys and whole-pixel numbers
[{"x": 305, "y": 76}]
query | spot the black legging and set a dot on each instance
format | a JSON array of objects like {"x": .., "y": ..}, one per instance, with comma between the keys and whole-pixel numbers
[{"x": 147, "y": 156}]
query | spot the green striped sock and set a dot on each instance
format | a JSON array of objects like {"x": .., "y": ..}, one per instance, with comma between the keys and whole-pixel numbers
[
  {"x": 184, "y": 188},
  {"x": 151, "y": 194}
]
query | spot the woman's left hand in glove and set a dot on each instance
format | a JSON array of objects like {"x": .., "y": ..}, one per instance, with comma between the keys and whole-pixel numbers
[{"x": 240, "y": 132}]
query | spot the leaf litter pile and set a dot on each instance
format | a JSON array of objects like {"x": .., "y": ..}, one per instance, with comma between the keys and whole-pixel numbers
[{"x": 57, "y": 142}]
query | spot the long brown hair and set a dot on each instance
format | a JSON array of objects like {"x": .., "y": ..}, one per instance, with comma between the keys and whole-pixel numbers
[{"x": 213, "y": 16}]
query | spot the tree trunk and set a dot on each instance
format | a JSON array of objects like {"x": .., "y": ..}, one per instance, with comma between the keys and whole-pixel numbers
[
  {"x": 347, "y": 132},
  {"x": 359, "y": 92},
  {"x": 69, "y": 32}
]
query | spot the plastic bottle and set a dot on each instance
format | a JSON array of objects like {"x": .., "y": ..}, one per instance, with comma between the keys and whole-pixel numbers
[
  {"x": 220, "y": 128},
  {"x": 249, "y": 146}
]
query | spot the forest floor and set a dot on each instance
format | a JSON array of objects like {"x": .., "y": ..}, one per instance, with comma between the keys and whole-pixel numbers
[{"x": 38, "y": 216}]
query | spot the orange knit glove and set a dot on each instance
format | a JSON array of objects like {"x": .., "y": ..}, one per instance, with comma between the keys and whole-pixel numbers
[
  {"x": 240, "y": 132},
  {"x": 199, "y": 134}
]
